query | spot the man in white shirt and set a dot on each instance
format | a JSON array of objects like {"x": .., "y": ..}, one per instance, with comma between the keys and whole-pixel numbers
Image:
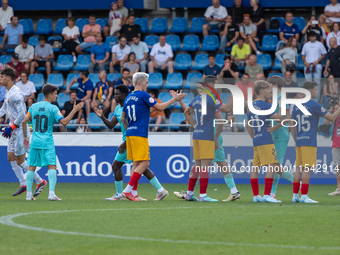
[
  {"x": 142, "y": 52},
  {"x": 161, "y": 56},
  {"x": 120, "y": 54},
  {"x": 313, "y": 53},
  {"x": 6, "y": 12},
  {"x": 25, "y": 53},
  {"x": 332, "y": 11},
  {"x": 215, "y": 16},
  {"x": 27, "y": 89}
]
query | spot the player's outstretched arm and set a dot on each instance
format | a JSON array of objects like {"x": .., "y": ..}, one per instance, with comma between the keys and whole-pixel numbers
[
  {"x": 76, "y": 108},
  {"x": 70, "y": 85},
  {"x": 24, "y": 130},
  {"x": 189, "y": 115},
  {"x": 228, "y": 107},
  {"x": 176, "y": 97},
  {"x": 332, "y": 117},
  {"x": 124, "y": 120},
  {"x": 172, "y": 92},
  {"x": 110, "y": 124}
]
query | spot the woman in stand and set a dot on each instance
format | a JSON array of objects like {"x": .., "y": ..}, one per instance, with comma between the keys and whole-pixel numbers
[
  {"x": 288, "y": 56},
  {"x": 330, "y": 88},
  {"x": 70, "y": 34},
  {"x": 131, "y": 64},
  {"x": 335, "y": 33},
  {"x": 83, "y": 129},
  {"x": 257, "y": 17}
]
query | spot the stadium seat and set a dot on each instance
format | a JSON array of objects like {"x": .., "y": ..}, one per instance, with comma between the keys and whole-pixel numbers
[
  {"x": 265, "y": 61},
  {"x": 300, "y": 65},
  {"x": 44, "y": 68},
  {"x": 4, "y": 59},
  {"x": 183, "y": 62},
  {"x": 179, "y": 25},
  {"x": 94, "y": 119},
  {"x": 94, "y": 77},
  {"x": 61, "y": 23},
  {"x": 56, "y": 79},
  {"x": 113, "y": 76},
  {"x": 151, "y": 40},
  {"x": 300, "y": 22},
  {"x": 269, "y": 43},
  {"x": 187, "y": 100},
  {"x": 64, "y": 63},
  {"x": 192, "y": 79},
  {"x": 241, "y": 119},
  {"x": 155, "y": 81},
  {"x": 191, "y": 43},
  {"x": 201, "y": 61},
  {"x": 174, "y": 41},
  {"x": 44, "y": 27},
  {"x": 219, "y": 59},
  {"x": 225, "y": 97},
  {"x": 69, "y": 78},
  {"x": 324, "y": 61},
  {"x": 37, "y": 79},
  {"x": 173, "y": 81},
  {"x": 83, "y": 62},
  {"x": 210, "y": 43},
  {"x": 272, "y": 74},
  {"x": 164, "y": 97},
  {"x": 117, "y": 127},
  {"x": 277, "y": 64},
  {"x": 276, "y": 31},
  {"x": 111, "y": 40},
  {"x": 62, "y": 99},
  {"x": 58, "y": 38},
  {"x": 33, "y": 41},
  {"x": 176, "y": 118},
  {"x": 102, "y": 22},
  {"x": 27, "y": 24},
  {"x": 40, "y": 97},
  {"x": 300, "y": 75},
  {"x": 197, "y": 25},
  {"x": 144, "y": 23},
  {"x": 159, "y": 25},
  {"x": 81, "y": 23}
]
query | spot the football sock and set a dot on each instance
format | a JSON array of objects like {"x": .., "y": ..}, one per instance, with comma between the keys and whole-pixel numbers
[
  {"x": 203, "y": 195},
  {"x": 133, "y": 182},
  {"x": 229, "y": 180},
  {"x": 204, "y": 180},
  {"x": 288, "y": 176},
  {"x": 304, "y": 189},
  {"x": 275, "y": 183},
  {"x": 52, "y": 179},
  {"x": 296, "y": 187},
  {"x": 134, "y": 190},
  {"x": 37, "y": 177},
  {"x": 18, "y": 172},
  {"x": 192, "y": 179},
  {"x": 255, "y": 186},
  {"x": 119, "y": 186},
  {"x": 155, "y": 183},
  {"x": 29, "y": 180},
  {"x": 268, "y": 183}
]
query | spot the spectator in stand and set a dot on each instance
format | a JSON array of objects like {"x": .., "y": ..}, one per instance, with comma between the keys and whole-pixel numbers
[
  {"x": 260, "y": 77},
  {"x": 83, "y": 129},
  {"x": 287, "y": 30},
  {"x": 68, "y": 106},
  {"x": 253, "y": 68},
  {"x": 240, "y": 53},
  {"x": 184, "y": 129},
  {"x": 229, "y": 32},
  {"x": 43, "y": 55},
  {"x": 231, "y": 119},
  {"x": 6, "y": 13},
  {"x": 125, "y": 80},
  {"x": 120, "y": 53},
  {"x": 230, "y": 71},
  {"x": 131, "y": 30},
  {"x": 115, "y": 19},
  {"x": 16, "y": 65},
  {"x": 215, "y": 15},
  {"x": 332, "y": 11},
  {"x": 211, "y": 68},
  {"x": 124, "y": 11},
  {"x": 313, "y": 53},
  {"x": 248, "y": 31},
  {"x": 25, "y": 53},
  {"x": 330, "y": 88},
  {"x": 335, "y": 33},
  {"x": 27, "y": 89},
  {"x": 101, "y": 97},
  {"x": 161, "y": 56},
  {"x": 85, "y": 87},
  {"x": 288, "y": 56},
  {"x": 237, "y": 12},
  {"x": 131, "y": 64},
  {"x": 325, "y": 27},
  {"x": 289, "y": 83},
  {"x": 13, "y": 35},
  {"x": 257, "y": 17},
  {"x": 100, "y": 54},
  {"x": 244, "y": 84},
  {"x": 312, "y": 25},
  {"x": 156, "y": 117},
  {"x": 142, "y": 52},
  {"x": 71, "y": 34},
  {"x": 89, "y": 34},
  {"x": 333, "y": 61}
]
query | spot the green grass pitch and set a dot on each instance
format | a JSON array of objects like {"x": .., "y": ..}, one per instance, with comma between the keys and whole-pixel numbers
[{"x": 84, "y": 223}]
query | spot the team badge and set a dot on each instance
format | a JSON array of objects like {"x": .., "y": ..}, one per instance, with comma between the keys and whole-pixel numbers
[
  {"x": 151, "y": 100},
  {"x": 323, "y": 109}
]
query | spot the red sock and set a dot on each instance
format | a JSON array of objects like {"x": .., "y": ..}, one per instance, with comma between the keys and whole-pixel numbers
[
  {"x": 135, "y": 187},
  {"x": 204, "y": 180},
  {"x": 268, "y": 183},
  {"x": 134, "y": 179},
  {"x": 192, "y": 179},
  {"x": 296, "y": 187},
  {"x": 304, "y": 188},
  {"x": 255, "y": 186}
]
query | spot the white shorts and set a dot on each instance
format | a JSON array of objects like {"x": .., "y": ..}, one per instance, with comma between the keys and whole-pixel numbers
[
  {"x": 336, "y": 156},
  {"x": 161, "y": 63},
  {"x": 16, "y": 142}
]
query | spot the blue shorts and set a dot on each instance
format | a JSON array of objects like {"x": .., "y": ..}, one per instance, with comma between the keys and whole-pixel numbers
[
  {"x": 122, "y": 157},
  {"x": 214, "y": 26},
  {"x": 86, "y": 45},
  {"x": 41, "y": 157},
  {"x": 219, "y": 153}
]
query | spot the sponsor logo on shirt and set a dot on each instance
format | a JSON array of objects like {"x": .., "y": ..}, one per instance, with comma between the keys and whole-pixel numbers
[{"x": 161, "y": 52}]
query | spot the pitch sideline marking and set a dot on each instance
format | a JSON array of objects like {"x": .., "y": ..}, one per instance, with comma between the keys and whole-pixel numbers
[{"x": 8, "y": 220}]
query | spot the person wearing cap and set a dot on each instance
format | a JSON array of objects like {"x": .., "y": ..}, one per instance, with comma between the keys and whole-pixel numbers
[
  {"x": 43, "y": 55},
  {"x": 16, "y": 65},
  {"x": 13, "y": 35}
]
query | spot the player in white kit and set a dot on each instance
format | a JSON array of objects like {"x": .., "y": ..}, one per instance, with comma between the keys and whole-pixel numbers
[{"x": 14, "y": 106}]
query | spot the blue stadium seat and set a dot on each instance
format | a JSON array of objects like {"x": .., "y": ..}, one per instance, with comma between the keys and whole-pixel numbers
[
  {"x": 151, "y": 40},
  {"x": 197, "y": 25},
  {"x": 210, "y": 43},
  {"x": 324, "y": 61},
  {"x": 113, "y": 76},
  {"x": 192, "y": 79},
  {"x": 300, "y": 22},
  {"x": 173, "y": 81},
  {"x": 64, "y": 63},
  {"x": 83, "y": 62},
  {"x": 277, "y": 64},
  {"x": 159, "y": 25},
  {"x": 241, "y": 119},
  {"x": 201, "y": 61},
  {"x": 117, "y": 127},
  {"x": 300, "y": 65},
  {"x": 269, "y": 43},
  {"x": 191, "y": 43},
  {"x": 176, "y": 118},
  {"x": 4, "y": 59},
  {"x": 219, "y": 59},
  {"x": 164, "y": 97},
  {"x": 56, "y": 79},
  {"x": 69, "y": 78},
  {"x": 174, "y": 41},
  {"x": 37, "y": 79},
  {"x": 44, "y": 27},
  {"x": 225, "y": 97},
  {"x": 40, "y": 97},
  {"x": 94, "y": 119},
  {"x": 27, "y": 24},
  {"x": 81, "y": 23},
  {"x": 265, "y": 61},
  {"x": 272, "y": 74},
  {"x": 179, "y": 25},
  {"x": 300, "y": 75},
  {"x": 111, "y": 40},
  {"x": 58, "y": 38},
  {"x": 183, "y": 62},
  {"x": 144, "y": 23},
  {"x": 276, "y": 31},
  {"x": 33, "y": 41},
  {"x": 61, "y": 23},
  {"x": 94, "y": 77},
  {"x": 187, "y": 100},
  {"x": 102, "y": 22},
  {"x": 155, "y": 81},
  {"x": 44, "y": 68},
  {"x": 62, "y": 99}
]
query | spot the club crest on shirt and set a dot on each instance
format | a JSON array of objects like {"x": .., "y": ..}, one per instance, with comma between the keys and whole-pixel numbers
[
  {"x": 323, "y": 109},
  {"x": 151, "y": 100}
]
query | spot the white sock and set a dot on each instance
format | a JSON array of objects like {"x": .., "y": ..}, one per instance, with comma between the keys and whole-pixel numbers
[
  {"x": 18, "y": 172},
  {"x": 190, "y": 193},
  {"x": 272, "y": 194},
  {"x": 161, "y": 189},
  {"x": 233, "y": 190},
  {"x": 29, "y": 194},
  {"x": 203, "y": 195},
  {"x": 37, "y": 177},
  {"x": 128, "y": 188},
  {"x": 135, "y": 193},
  {"x": 51, "y": 193},
  {"x": 303, "y": 196}
]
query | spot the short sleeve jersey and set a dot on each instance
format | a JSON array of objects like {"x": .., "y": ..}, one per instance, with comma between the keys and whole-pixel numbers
[
  {"x": 137, "y": 108},
  {"x": 118, "y": 114},
  {"x": 83, "y": 87},
  {"x": 43, "y": 116},
  {"x": 289, "y": 31},
  {"x": 307, "y": 125}
]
